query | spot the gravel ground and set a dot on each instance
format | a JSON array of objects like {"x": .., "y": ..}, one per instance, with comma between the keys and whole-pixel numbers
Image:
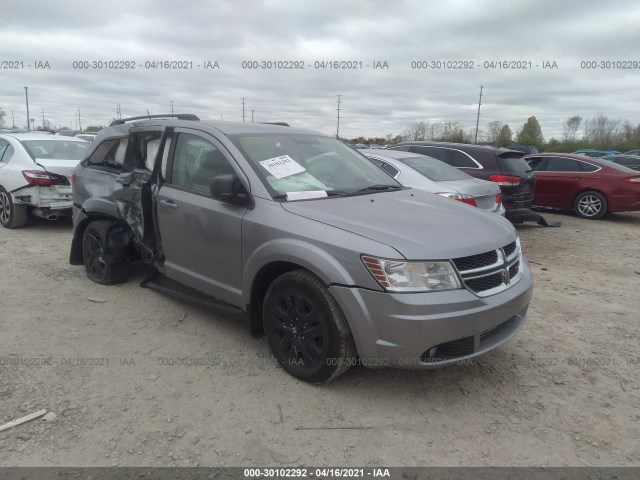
[{"x": 564, "y": 392}]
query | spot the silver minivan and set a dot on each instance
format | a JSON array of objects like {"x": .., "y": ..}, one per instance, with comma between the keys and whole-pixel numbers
[{"x": 336, "y": 263}]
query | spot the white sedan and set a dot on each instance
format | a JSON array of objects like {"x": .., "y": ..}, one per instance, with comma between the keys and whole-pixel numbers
[
  {"x": 432, "y": 175},
  {"x": 35, "y": 175}
]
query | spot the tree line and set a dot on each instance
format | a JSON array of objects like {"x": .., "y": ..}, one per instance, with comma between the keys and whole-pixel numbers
[{"x": 599, "y": 132}]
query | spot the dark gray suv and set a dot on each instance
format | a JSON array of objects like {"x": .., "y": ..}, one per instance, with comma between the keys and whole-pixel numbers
[{"x": 333, "y": 260}]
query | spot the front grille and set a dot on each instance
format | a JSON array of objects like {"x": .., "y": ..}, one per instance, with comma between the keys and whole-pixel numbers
[
  {"x": 491, "y": 271},
  {"x": 483, "y": 284},
  {"x": 476, "y": 261},
  {"x": 509, "y": 249},
  {"x": 513, "y": 269}
]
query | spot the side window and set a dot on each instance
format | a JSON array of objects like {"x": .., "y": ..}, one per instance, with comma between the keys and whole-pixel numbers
[
  {"x": 110, "y": 153},
  {"x": 562, "y": 164},
  {"x": 376, "y": 162},
  {"x": 390, "y": 169},
  {"x": 536, "y": 163},
  {"x": 439, "y": 153},
  {"x": 6, "y": 151},
  {"x": 588, "y": 167},
  {"x": 460, "y": 159},
  {"x": 196, "y": 162}
]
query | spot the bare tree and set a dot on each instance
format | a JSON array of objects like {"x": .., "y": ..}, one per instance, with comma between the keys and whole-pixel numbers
[
  {"x": 570, "y": 128},
  {"x": 601, "y": 132},
  {"x": 493, "y": 132}
]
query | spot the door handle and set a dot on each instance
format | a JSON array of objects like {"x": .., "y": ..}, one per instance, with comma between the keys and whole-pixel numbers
[{"x": 168, "y": 203}]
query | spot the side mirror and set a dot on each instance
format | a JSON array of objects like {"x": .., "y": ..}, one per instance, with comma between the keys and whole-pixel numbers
[{"x": 227, "y": 188}]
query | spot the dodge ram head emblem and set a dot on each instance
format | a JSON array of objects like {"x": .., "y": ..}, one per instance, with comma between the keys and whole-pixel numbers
[{"x": 506, "y": 279}]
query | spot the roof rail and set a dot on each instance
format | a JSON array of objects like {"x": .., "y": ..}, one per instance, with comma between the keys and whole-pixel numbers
[{"x": 179, "y": 116}]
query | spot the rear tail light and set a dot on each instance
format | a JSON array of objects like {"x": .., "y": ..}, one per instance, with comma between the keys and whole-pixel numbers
[
  {"x": 44, "y": 179},
  {"x": 38, "y": 177},
  {"x": 498, "y": 198},
  {"x": 632, "y": 180},
  {"x": 505, "y": 180},
  {"x": 468, "y": 199}
]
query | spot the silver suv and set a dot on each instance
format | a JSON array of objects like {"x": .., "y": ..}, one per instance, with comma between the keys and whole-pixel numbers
[{"x": 331, "y": 259}]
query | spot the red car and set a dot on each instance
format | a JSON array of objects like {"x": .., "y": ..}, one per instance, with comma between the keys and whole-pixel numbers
[{"x": 589, "y": 186}]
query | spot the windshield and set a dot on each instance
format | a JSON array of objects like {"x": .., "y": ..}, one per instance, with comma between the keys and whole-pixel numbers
[
  {"x": 291, "y": 163},
  {"x": 55, "y": 149},
  {"x": 434, "y": 169}
]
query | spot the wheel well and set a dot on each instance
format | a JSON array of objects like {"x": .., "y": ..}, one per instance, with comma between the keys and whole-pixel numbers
[
  {"x": 261, "y": 282},
  {"x": 76, "y": 257}
]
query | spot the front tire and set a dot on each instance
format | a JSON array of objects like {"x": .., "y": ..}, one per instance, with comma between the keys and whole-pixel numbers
[
  {"x": 101, "y": 268},
  {"x": 11, "y": 215},
  {"x": 591, "y": 205},
  {"x": 305, "y": 328}
]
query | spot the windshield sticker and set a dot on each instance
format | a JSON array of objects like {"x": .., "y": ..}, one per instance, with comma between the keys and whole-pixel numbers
[
  {"x": 306, "y": 195},
  {"x": 283, "y": 166}
]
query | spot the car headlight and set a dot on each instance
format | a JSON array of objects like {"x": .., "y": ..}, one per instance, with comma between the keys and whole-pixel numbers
[{"x": 403, "y": 276}]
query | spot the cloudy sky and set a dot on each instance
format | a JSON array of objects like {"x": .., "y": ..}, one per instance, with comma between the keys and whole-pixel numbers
[{"x": 374, "y": 102}]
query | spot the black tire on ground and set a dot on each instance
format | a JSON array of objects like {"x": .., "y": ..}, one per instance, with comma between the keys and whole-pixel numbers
[
  {"x": 99, "y": 268},
  {"x": 591, "y": 205},
  {"x": 11, "y": 215},
  {"x": 305, "y": 328}
]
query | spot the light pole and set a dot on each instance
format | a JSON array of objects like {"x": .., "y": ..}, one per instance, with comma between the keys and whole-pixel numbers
[{"x": 26, "y": 95}]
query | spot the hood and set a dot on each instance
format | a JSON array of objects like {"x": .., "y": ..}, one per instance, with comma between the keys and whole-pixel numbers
[
  {"x": 419, "y": 225},
  {"x": 60, "y": 167}
]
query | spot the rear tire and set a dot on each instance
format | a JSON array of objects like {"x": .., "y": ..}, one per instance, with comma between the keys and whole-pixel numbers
[
  {"x": 591, "y": 205},
  {"x": 11, "y": 215},
  {"x": 100, "y": 268},
  {"x": 305, "y": 328}
]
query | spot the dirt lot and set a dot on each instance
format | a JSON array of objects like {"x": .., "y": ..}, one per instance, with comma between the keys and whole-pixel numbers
[{"x": 565, "y": 391}]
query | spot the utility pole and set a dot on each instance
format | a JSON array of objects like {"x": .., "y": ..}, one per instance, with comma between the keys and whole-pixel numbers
[
  {"x": 42, "y": 110},
  {"x": 338, "y": 126},
  {"x": 478, "y": 118},
  {"x": 79, "y": 121},
  {"x": 243, "y": 109},
  {"x": 13, "y": 120},
  {"x": 251, "y": 116},
  {"x": 171, "y": 107},
  {"x": 26, "y": 94},
  {"x": 118, "y": 111}
]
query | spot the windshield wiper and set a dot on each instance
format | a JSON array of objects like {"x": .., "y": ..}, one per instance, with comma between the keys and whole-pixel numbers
[{"x": 379, "y": 187}]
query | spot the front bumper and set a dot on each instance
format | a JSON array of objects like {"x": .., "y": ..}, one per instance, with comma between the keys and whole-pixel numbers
[{"x": 422, "y": 330}]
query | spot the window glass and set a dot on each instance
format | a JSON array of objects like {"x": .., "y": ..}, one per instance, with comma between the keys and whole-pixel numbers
[
  {"x": 196, "y": 162},
  {"x": 165, "y": 157},
  {"x": 390, "y": 169},
  {"x": 434, "y": 169},
  {"x": 536, "y": 163},
  {"x": 110, "y": 153},
  {"x": 6, "y": 151},
  {"x": 300, "y": 162},
  {"x": 460, "y": 159},
  {"x": 435, "y": 152},
  {"x": 588, "y": 167},
  {"x": 3, "y": 147},
  {"x": 58, "y": 149},
  {"x": 562, "y": 164}
]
